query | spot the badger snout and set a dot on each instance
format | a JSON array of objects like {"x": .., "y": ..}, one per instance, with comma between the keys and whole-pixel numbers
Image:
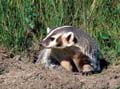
[{"x": 41, "y": 44}]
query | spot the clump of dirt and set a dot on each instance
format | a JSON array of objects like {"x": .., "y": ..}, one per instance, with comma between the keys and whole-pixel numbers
[{"x": 16, "y": 74}]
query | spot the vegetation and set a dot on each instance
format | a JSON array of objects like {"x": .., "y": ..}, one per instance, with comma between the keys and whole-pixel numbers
[{"x": 24, "y": 21}]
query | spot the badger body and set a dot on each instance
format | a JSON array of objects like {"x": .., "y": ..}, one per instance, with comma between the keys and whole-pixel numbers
[{"x": 66, "y": 44}]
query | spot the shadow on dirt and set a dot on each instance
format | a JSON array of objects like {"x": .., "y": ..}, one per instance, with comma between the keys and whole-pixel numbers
[{"x": 103, "y": 64}]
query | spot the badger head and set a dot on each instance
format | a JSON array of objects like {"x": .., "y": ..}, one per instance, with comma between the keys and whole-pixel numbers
[{"x": 60, "y": 37}]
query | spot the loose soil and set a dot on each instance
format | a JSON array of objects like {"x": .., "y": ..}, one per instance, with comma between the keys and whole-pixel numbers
[{"x": 17, "y": 74}]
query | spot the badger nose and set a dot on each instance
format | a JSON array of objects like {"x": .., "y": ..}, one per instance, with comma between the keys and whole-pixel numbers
[{"x": 41, "y": 44}]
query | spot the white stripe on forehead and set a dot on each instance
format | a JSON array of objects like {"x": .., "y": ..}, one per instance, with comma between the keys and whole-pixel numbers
[
  {"x": 61, "y": 27},
  {"x": 55, "y": 30}
]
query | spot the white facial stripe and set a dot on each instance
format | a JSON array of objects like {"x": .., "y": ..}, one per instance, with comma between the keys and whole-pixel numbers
[
  {"x": 56, "y": 36},
  {"x": 54, "y": 30},
  {"x": 48, "y": 35},
  {"x": 53, "y": 43},
  {"x": 61, "y": 27}
]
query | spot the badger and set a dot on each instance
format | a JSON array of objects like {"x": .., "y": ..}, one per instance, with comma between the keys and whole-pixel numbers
[{"x": 70, "y": 47}]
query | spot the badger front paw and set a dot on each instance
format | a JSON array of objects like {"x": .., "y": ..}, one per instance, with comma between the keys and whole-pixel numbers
[{"x": 87, "y": 70}]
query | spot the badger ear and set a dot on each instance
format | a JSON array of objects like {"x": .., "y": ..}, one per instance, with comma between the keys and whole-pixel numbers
[
  {"x": 69, "y": 36},
  {"x": 48, "y": 30}
]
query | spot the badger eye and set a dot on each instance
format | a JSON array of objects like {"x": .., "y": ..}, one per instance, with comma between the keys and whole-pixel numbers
[{"x": 52, "y": 38}]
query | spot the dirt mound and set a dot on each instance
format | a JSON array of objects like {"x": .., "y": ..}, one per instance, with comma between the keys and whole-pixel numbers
[{"x": 15, "y": 74}]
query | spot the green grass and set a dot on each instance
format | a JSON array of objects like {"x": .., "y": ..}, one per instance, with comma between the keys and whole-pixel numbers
[{"x": 23, "y": 21}]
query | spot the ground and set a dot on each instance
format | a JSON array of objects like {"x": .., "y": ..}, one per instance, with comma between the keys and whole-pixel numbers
[{"x": 17, "y": 74}]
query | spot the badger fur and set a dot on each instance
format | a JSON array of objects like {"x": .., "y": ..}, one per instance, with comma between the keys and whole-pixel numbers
[{"x": 66, "y": 44}]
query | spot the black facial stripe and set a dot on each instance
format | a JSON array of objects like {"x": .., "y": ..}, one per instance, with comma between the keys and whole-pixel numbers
[
  {"x": 52, "y": 38},
  {"x": 75, "y": 40},
  {"x": 68, "y": 38},
  {"x": 59, "y": 41},
  {"x": 59, "y": 44}
]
